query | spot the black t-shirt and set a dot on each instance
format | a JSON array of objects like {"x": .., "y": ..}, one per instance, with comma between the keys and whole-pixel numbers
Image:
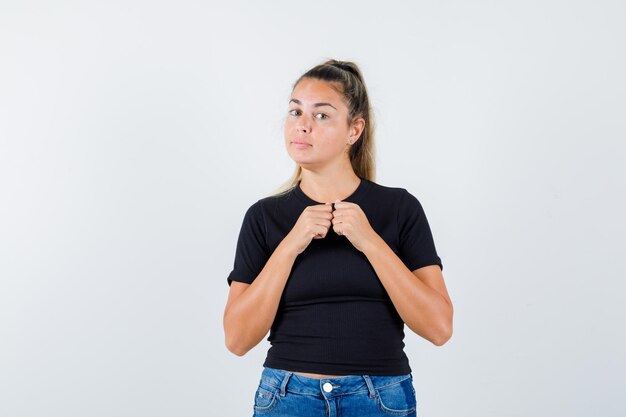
[{"x": 335, "y": 316}]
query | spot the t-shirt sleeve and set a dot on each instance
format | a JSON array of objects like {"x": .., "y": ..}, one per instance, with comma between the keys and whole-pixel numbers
[
  {"x": 416, "y": 244},
  {"x": 251, "y": 253}
]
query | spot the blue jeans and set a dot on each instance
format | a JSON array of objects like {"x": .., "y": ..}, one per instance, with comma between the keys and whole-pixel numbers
[{"x": 286, "y": 394}]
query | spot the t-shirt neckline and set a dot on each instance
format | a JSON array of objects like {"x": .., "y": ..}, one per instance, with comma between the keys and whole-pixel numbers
[{"x": 352, "y": 198}]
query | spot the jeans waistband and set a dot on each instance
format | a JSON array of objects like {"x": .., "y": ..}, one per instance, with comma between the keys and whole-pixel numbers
[{"x": 287, "y": 381}]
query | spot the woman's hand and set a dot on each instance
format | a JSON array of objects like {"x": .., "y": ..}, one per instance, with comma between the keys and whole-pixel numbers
[
  {"x": 350, "y": 221},
  {"x": 313, "y": 223}
]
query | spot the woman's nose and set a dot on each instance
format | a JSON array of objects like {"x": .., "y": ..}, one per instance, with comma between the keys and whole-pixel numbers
[{"x": 303, "y": 125}]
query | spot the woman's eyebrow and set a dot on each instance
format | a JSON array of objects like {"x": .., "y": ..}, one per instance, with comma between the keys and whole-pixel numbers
[{"x": 295, "y": 100}]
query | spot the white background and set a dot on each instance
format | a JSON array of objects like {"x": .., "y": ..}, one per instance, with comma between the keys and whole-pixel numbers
[{"x": 135, "y": 134}]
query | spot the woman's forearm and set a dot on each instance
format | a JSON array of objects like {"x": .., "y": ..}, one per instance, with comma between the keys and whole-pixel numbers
[
  {"x": 250, "y": 316},
  {"x": 424, "y": 310}
]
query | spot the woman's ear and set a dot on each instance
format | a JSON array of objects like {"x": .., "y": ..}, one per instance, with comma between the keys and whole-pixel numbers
[{"x": 356, "y": 129}]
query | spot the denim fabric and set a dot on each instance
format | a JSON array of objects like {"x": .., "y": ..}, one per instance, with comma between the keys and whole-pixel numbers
[{"x": 285, "y": 394}]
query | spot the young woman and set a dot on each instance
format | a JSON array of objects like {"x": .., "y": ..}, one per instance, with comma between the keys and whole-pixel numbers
[{"x": 334, "y": 266}]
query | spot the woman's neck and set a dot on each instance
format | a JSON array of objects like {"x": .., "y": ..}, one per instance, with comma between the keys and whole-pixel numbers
[{"x": 329, "y": 188}]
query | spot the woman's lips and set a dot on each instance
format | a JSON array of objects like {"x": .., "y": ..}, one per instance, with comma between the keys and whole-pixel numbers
[{"x": 300, "y": 145}]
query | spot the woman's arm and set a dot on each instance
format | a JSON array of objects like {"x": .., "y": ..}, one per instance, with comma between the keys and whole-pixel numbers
[
  {"x": 420, "y": 297},
  {"x": 251, "y": 308}
]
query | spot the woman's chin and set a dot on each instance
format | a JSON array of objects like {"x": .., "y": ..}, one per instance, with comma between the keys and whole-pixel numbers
[
  {"x": 304, "y": 162},
  {"x": 299, "y": 158}
]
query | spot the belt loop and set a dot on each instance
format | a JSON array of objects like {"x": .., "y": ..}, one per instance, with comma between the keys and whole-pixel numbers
[
  {"x": 370, "y": 386},
  {"x": 283, "y": 386}
]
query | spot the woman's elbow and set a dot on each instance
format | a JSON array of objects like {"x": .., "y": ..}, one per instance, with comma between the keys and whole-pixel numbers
[
  {"x": 443, "y": 336},
  {"x": 234, "y": 347},
  {"x": 440, "y": 341}
]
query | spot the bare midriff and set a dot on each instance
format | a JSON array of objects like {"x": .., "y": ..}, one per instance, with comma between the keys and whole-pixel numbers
[{"x": 319, "y": 376}]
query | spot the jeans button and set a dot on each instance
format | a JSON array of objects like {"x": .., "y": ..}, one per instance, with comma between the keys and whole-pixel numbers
[{"x": 328, "y": 387}]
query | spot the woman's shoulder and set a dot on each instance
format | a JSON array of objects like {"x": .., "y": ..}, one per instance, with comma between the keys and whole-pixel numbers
[
  {"x": 269, "y": 203},
  {"x": 398, "y": 198},
  {"x": 378, "y": 190}
]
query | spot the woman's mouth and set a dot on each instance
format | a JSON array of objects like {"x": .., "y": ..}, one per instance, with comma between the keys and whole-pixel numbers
[{"x": 300, "y": 145}]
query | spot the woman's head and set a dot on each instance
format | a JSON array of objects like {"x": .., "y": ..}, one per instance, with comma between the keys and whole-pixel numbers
[{"x": 341, "y": 128}]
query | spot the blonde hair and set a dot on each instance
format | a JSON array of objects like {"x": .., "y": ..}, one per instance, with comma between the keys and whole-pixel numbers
[{"x": 346, "y": 78}]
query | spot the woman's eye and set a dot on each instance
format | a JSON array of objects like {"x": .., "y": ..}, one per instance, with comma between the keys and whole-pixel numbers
[{"x": 294, "y": 112}]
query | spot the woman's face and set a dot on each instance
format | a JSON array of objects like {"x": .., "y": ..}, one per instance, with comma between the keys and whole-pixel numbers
[{"x": 316, "y": 128}]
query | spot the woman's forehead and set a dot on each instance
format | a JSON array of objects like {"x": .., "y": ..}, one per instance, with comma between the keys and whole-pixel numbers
[{"x": 315, "y": 91}]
